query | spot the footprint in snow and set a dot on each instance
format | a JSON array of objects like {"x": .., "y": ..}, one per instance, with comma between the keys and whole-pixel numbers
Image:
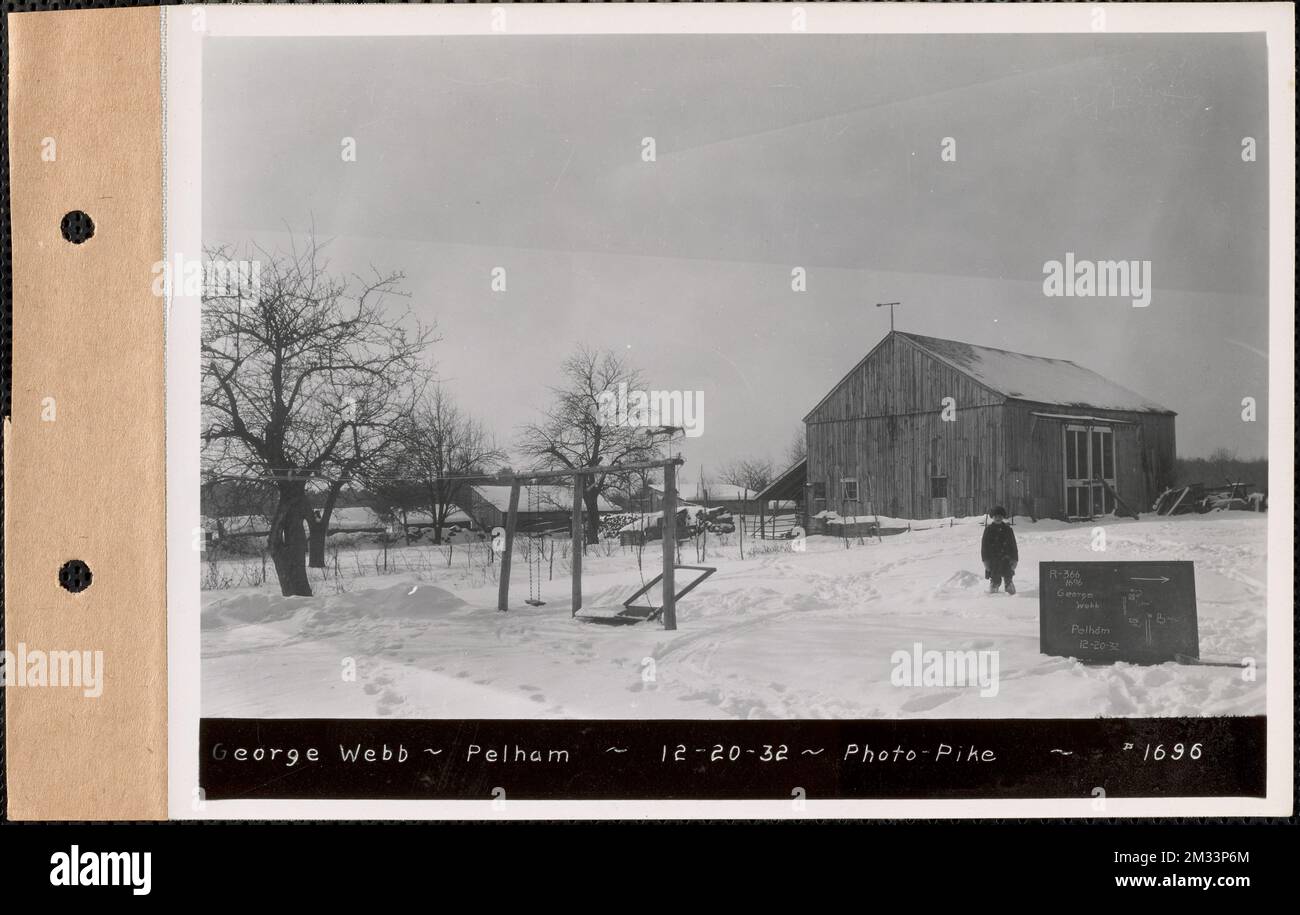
[
  {"x": 962, "y": 580},
  {"x": 389, "y": 702}
]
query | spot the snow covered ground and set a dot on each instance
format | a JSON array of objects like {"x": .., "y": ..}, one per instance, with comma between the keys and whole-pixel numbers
[{"x": 781, "y": 634}]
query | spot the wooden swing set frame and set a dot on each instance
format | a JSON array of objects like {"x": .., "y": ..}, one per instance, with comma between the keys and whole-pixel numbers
[{"x": 579, "y": 474}]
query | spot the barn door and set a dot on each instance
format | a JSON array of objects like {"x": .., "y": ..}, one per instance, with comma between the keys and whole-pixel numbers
[{"x": 1089, "y": 454}]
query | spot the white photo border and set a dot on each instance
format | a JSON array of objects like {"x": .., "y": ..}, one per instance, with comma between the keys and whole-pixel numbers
[{"x": 183, "y": 39}]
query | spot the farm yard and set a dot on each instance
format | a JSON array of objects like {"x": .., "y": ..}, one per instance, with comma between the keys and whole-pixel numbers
[
  {"x": 797, "y": 629},
  {"x": 374, "y": 548}
]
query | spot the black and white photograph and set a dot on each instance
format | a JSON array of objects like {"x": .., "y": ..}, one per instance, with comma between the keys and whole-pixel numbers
[{"x": 739, "y": 377}]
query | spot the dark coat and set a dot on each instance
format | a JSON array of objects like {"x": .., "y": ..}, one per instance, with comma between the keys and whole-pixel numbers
[{"x": 999, "y": 543}]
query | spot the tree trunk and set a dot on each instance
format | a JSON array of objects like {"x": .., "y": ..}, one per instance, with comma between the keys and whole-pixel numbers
[
  {"x": 437, "y": 512},
  {"x": 288, "y": 541},
  {"x": 317, "y": 531},
  {"x": 591, "y": 497}
]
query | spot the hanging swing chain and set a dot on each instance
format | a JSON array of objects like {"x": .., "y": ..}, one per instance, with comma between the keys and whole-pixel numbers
[{"x": 640, "y": 570}]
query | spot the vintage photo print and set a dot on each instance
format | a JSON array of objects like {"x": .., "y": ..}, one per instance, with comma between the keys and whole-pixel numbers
[{"x": 735, "y": 411}]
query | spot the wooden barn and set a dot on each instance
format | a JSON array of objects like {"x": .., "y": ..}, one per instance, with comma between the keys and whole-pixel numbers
[{"x": 930, "y": 428}]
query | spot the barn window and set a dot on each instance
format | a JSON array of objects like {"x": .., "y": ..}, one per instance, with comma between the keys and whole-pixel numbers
[
  {"x": 938, "y": 487},
  {"x": 849, "y": 489}
]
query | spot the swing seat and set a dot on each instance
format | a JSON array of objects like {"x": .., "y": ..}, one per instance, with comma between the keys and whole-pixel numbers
[
  {"x": 535, "y": 603},
  {"x": 633, "y": 612},
  {"x": 618, "y": 616}
]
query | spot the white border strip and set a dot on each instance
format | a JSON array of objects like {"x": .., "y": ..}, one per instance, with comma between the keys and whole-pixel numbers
[
  {"x": 182, "y": 188},
  {"x": 356, "y": 20}
]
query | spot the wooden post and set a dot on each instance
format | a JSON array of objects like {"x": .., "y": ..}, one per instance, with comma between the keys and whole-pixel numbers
[
  {"x": 512, "y": 518},
  {"x": 577, "y": 542},
  {"x": 670, "y": 545},
  {"x": 744, "y": 513}
]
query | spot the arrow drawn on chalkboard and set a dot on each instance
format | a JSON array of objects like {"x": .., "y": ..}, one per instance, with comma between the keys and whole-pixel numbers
[
  {"x": 616, "y": 750},
  {"x": 433, "y": 752},
  {"x": 1162, "y": 578}
]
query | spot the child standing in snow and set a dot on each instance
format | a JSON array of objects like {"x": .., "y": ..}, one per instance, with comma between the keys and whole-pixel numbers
[{"x": 999, "y": 552}]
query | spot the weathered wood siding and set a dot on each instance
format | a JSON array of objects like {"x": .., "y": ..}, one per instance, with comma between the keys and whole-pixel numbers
[
  {"x": 483, "y": 513},
  {"x": 883, "y": 425},
  {"x": 1144, "y": 456}
]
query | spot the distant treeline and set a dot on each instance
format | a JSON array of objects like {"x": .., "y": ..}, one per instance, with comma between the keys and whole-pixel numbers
[{"x": 1219, "y": 469}]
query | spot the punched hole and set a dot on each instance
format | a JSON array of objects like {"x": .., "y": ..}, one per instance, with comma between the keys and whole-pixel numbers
[
  {"x": 77, "y": 227},
  {"x": 75, "y": 576}
]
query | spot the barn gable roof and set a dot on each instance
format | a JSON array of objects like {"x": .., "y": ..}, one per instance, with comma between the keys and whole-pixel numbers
[
  {"x": 1019, "y": 376},
  {"x": 1035, "y": 378}
]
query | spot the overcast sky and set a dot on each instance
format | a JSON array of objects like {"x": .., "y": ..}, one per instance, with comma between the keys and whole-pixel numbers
[{"x": 773, "y": 152}]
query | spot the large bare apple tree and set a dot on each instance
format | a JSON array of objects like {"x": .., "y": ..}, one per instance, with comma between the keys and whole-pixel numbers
[{"x": 303, "y": 383}]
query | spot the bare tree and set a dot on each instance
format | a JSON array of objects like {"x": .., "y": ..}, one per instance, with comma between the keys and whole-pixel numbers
[
  {"x": 389, "y": 492},
  {"x": 229, "y": 495},
  {"x": 578, "y": 430},
  {"x": 749, "y": 474},
  {"x": 301, "y": 382},
  {"x": 797, "y": 450},
  {"x": 363, "y": 445},
  {"x": 443, "y": 448}
]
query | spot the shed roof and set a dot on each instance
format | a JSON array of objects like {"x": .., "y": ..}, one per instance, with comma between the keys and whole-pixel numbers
[
  {"x": 788, "y": 484},
  {"x": 542, "y": 498},
  {"x": 718, "y": 492}
]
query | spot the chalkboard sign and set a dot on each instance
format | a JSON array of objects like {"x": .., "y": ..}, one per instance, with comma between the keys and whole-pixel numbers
[{"x": 1143, "y": 612}]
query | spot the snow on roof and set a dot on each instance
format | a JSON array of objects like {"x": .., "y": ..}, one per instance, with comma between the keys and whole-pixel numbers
[
  {"x": 548, "y": 498},
  {"x": 1035, "y": 378},
  {"x": 362, "y": 517},
  {"x": 787, "y": 483}
]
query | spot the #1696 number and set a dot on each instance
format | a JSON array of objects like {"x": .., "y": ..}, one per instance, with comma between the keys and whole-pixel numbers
[{"x": 1178, "y": 751}]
